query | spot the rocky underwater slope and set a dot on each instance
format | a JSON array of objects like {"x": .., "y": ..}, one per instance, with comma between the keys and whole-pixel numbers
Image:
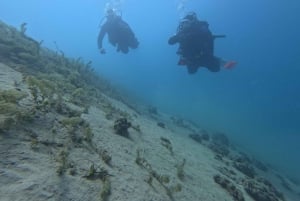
[{"x": 66, "y": 134}]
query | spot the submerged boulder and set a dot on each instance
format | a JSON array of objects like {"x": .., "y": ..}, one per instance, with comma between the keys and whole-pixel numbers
[
  {"x": 245, "y": 168},
  {"x": 121, "y": 127},
  {"x": 229, "y": 187},
  {"x": 262, "y": 190}
]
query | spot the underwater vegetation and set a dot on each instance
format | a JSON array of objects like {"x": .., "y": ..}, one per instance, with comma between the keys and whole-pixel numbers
[
  {"x": 63, "y": 161},
  {"x": 11, "y": 111},
  {"x": 70, "y": 75},
  {"x": 16, "y": 46},
  {"x": 101, "y": 173},
  {"x": 163, "y": 180},
  {"x": 180, "y": 170},
  {"x": 55, "y": 81},
  {"x": 61, "y": 90},
  {"x": 167, "y": 144}
]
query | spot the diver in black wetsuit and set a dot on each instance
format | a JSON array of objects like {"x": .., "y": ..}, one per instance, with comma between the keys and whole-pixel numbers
[
  {"x": 119, "y": 33},
  {"x": 196, "y": 45}
]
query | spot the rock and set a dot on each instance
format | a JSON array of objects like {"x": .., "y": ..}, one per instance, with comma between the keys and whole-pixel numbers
[
  {"x": 259, "y": 165},
  {"x": 220, "y": 139},
  {"x": 245, "y": 168},
  {"x": 160, "y": 124},
  {"x": 220, "y": 144},
  {"x": 228, "y": 173},
  {"x": 196, "y": 137},
  {"x": 219, "y": 149},
  {"x": 121, "y": 127},
  {"x": 242, "y": 158},
  {"x": 199, "y": 137},
  {"x": 229, "y": 187},
  {"x": 262, "y": 190},
  {"x": 205, "y": 136}
]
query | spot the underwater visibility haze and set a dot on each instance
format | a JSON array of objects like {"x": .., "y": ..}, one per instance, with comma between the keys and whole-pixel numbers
[{"x": 257, "y": 103}]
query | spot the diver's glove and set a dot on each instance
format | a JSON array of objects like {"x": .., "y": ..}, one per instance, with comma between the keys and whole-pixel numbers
[
  {"x": 173, "y": 39},
  {"x": 102, "y": 51}
]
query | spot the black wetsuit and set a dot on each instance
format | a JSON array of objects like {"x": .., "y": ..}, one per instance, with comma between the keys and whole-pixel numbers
[
  {"x": 196, "y": 46},
  {"x": 119, "y": 33}
]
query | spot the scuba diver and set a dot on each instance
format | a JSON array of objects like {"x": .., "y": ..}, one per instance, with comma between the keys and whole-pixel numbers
[
  {"x": 119, "y": 33},
  {"x": 196, "y": 45}
]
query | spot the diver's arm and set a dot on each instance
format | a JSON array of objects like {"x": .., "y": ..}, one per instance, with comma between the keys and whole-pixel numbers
[
  {"x": 101, "y": 36},
  {"x": 176, "y": 38},
  {"x": 173, "y": 39}
]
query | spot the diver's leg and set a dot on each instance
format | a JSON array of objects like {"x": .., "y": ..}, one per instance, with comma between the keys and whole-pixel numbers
[
  {"x": 124, "y": 49},
  {"x": 118, "y": 48},
  {"x": 134, "y": 43},
  {"x": 213, "y": 64},
  {"x": 192, "y": 69},
  {"x": 209, "y": 48}
]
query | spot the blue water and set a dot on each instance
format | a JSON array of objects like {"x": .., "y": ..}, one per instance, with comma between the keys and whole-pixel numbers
[{"x": 257, "y": 103}]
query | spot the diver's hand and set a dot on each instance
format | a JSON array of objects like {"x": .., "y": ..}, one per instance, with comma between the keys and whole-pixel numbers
[
  {"x": 173, "y": 39},
  {"x": 102, "y": 51}
]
